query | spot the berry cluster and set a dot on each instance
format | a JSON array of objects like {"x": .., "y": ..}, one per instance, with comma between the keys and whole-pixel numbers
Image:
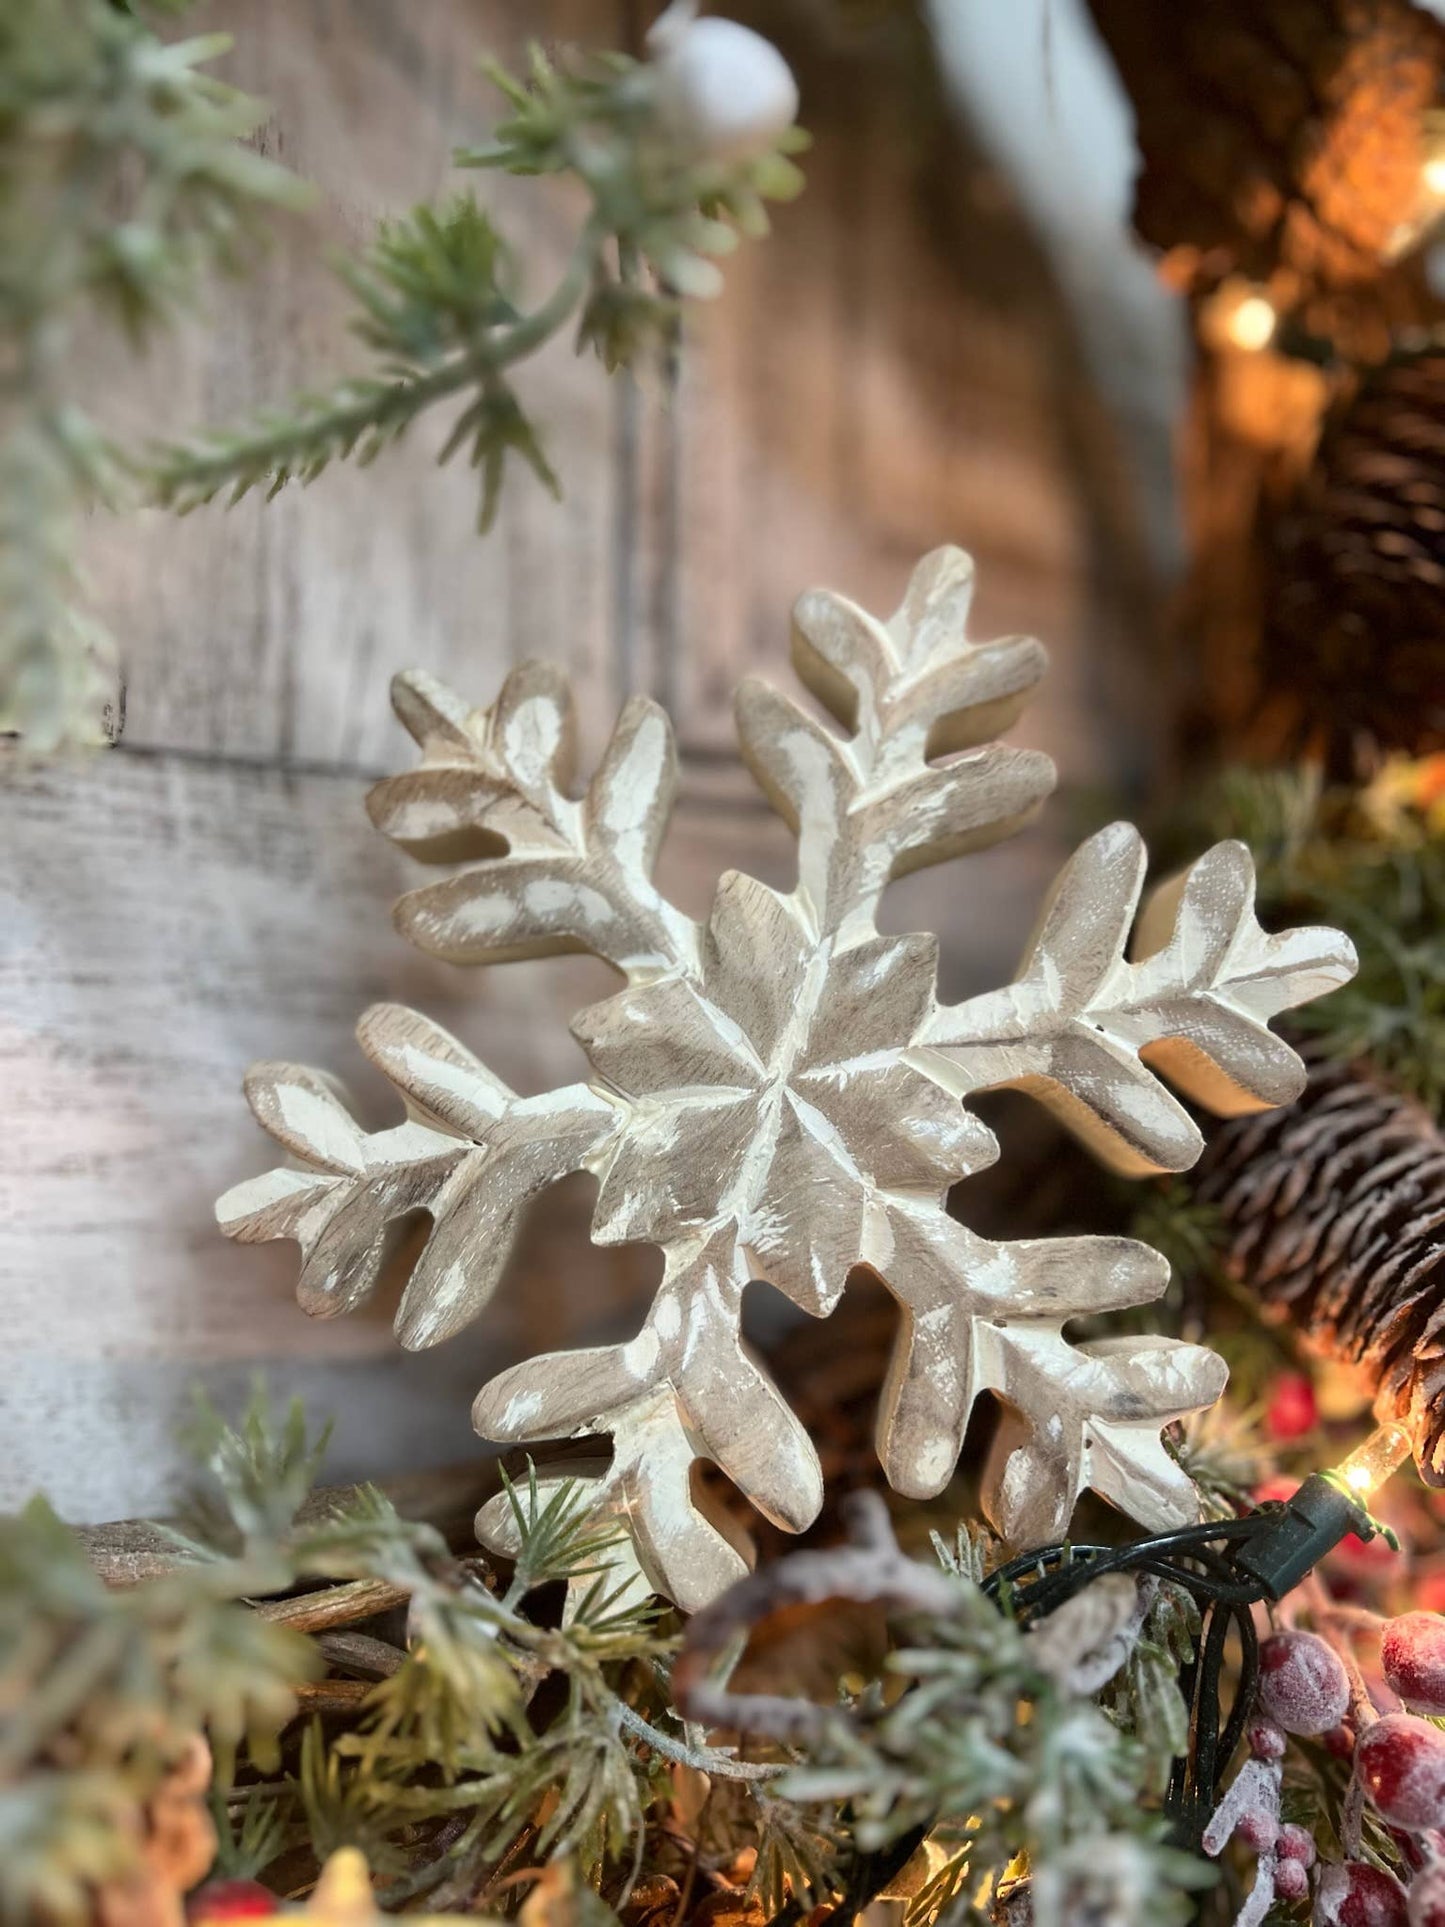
[{"x": 1398, "y": 1767}]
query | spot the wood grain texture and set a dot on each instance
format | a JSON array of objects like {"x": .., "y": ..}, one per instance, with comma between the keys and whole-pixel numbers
[
  {"x": 855, "y": 387},
  {"x": 892, "y": 369}
]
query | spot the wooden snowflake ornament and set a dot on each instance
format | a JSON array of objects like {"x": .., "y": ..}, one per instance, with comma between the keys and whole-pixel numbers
[{"x": 779, "y": 1094}]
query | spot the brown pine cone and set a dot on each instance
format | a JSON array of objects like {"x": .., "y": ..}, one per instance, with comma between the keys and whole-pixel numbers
[
  {"x": 1354, "y": 570},
  {"x": 1335, "y": 1215},
  {"x": 1277, "y": 134}
]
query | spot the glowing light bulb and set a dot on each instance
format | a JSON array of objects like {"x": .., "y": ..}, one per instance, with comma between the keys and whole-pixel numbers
[
  {"x": 1371, "y": 1463},
  {"x": 1252, "y": 322},
  {"x": 1433, "y": 175}
]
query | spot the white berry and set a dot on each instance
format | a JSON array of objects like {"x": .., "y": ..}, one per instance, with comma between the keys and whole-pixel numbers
[{"x": 722, "y": 90}]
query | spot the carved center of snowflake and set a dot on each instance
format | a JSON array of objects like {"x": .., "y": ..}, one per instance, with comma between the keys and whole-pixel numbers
[
  {"x": 769, "y": 1092},
  {"x": 780, "y": 1094}
]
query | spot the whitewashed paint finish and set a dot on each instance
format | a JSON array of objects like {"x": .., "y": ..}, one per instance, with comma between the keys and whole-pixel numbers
[{"x": 776, "y": 1093}]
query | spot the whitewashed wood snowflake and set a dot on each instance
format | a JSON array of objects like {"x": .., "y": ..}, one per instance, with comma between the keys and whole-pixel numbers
[{"x": 780, "y": 1094}]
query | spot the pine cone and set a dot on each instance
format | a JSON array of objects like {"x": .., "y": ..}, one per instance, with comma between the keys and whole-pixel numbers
[
  {"x": 1354, "y": 592},
  {"x": 1277, "y": 134},
  {"x": 1335, "y": 1215}
]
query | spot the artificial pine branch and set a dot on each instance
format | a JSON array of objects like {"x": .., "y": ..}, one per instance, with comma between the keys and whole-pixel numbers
[
  {"x": 438, "y": 306},
  {"x": 980, "y": 1737},
  {"x": 444, "y": 1767},
  {"x": 458, "y": 1766}
]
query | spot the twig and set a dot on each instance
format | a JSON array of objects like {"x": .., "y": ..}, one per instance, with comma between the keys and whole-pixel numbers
[
  {"x": 720, "y": 1765},
  {"x": 1362, "y": 1708},
  {"x": 332, "y": 1695},
  {"x": 318, "y": 1612},
  {"x": 360, "y": 1653}
]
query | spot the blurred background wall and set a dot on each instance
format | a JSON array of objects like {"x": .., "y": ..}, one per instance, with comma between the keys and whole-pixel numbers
[{"x": 899, "y": 366}]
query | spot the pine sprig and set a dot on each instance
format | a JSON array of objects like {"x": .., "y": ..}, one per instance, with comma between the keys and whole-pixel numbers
[
  {"x": 123, "y": 177},
  {"x": 438, "y": 302},
  {"x": 444, "y": 1771},
  {"x": 1371, "y": 861},
  {"x": 103, "y": 1691},
  {"x": 945, "y": 1749}
]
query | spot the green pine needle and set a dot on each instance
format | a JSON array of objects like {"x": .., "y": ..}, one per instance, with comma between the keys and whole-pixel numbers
[
  {"x": 439, "y": 303},
  {"x": 1340, "y": 856}
]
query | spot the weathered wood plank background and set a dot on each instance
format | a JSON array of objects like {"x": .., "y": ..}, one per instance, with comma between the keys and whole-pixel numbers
[{"x": 892, "y": 370}]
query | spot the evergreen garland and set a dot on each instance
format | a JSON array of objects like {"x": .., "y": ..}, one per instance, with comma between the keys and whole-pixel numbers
[{"x": 507, "y": 1734}]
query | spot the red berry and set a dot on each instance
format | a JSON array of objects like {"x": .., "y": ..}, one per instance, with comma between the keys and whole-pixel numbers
[
  {"x": 1291, "y": 1411},
  {"x": 1340, "y": 1740},
  {"x": 1355, "y": 1895},
  {"x": 1401, "y": 1761},
  {"x": 1302, "y": 1682},
  {"x": 1296, "y": 1843},
  {"x": 1427, "y": 1896},
  {"x": 1412, "y": 1653},
  {"x": 222, "y": 1900},
  {"x": 1266, "y": 1741},
  {"x": 1258, "y": 1829},
  {"x": 1291, "y": 1882}
]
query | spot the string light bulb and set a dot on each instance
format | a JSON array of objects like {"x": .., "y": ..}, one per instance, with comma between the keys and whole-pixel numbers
[
  {"x": 1372, "y": 1461},
  {"x": 1252, "y": 323},
  {"x": 1238, "y": 316},
  {"x": 1293, "y": 1539}
]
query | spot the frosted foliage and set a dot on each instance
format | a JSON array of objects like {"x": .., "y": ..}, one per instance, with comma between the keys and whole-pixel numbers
[{"x": 778, "y": 1092}]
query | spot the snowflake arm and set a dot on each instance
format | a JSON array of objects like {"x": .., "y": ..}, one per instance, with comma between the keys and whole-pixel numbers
[
  {"x": 685, "y": 1388},
  {"x": 469, "y": 1156},
  {"x": 873, "y": 806},
  {"x": 980, "y": 1316},
  {"x": 1083, "y": 1027},
  {"x": 557, "y": 874}
]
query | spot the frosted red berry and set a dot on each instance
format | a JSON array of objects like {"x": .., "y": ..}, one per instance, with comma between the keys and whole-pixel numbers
[
  {"x": 1412, "y": 1653},
  {"x": 1266, "y": 1741},
  {"x": 1303, "y": 1685},
  {"x": 1354, "y": 1895},
  {"x": 1296, "y": 1843},
  {"x": 1291, "y": 1882},
  {"x": 222, "y": 1900},
  {"x": 1258, "y": 1828},
  {"x": 1401, "y": 1762},
  {"x": 1426, "y": 1906}
]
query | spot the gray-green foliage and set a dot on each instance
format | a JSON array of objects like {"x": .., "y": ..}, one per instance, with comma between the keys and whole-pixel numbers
[
  {"x": 101, "y": 1690},
  {"x": 123, "y": 175},
  {"x": 503, "y": 1730},
  {"x": 1144, "y": 1699},
  {"x": 975, "y": 1742},
  {"x": 441, "y": 305},
  {"x": 448, "y": 1733}
]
